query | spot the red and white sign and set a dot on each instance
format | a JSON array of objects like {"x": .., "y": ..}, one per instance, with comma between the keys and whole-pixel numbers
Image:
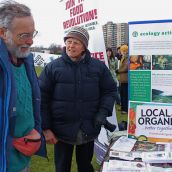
[{"x": 86, "y": 14}]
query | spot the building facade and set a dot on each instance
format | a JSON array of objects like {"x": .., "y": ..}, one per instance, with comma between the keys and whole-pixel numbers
[{"x": 115, "y": 34}]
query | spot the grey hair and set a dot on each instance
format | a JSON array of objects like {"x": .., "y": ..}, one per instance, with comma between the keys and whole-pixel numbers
[{"x": 11, "y": 9}]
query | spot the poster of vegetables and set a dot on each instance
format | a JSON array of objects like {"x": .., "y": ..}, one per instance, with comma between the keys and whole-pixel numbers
[{"x": 150, "y": 122}]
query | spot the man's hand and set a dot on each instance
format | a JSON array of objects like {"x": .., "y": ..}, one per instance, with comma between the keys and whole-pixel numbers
[
  {"x": 99, "y": 120},
  {"x": 50, "y": 137}
]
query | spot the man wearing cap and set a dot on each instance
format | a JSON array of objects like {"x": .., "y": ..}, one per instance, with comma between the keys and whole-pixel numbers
[
  {"x": 77, "y": 94},
  {"x": 19, "y": 89}
]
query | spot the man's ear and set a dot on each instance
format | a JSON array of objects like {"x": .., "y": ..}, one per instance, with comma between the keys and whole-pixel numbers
[{"x": 3, "y": 33}]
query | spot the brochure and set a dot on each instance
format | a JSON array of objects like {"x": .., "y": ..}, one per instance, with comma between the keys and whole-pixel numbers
[{"x": 123, "y": 143}]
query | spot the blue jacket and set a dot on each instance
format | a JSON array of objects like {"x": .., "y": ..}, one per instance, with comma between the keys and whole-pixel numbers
[
  {"x": 72, "y": 94},
  {"x": 8, "y": 104}
]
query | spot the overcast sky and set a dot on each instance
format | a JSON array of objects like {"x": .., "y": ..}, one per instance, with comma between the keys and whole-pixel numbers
[{"x": 48, "y": 15}]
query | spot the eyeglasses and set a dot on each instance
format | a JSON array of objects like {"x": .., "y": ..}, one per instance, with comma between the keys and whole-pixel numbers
[{"x": 26, "y": 36}]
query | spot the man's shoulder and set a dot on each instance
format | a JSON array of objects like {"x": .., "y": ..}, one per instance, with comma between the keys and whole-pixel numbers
[
  {"x": 56, "y": 62},
  {"x": 96, "y": 61}
]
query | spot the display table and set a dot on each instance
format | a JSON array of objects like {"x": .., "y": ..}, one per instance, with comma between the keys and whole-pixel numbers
[{"x": 124, "y": 154}]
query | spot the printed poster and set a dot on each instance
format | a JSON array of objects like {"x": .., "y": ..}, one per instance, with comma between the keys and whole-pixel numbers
[
  {"x": 150, "y": 80},
  {"x": 150, "y": 122}
]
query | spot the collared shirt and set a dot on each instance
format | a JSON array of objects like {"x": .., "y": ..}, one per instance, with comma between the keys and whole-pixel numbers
[{"x": 20, "y": 61}]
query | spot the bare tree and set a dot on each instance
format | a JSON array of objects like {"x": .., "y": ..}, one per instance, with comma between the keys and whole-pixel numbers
[{"x": 55, "y": 49}]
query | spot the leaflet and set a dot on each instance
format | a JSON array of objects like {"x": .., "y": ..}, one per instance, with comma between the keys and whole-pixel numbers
[{"x": 123, "y": 143}]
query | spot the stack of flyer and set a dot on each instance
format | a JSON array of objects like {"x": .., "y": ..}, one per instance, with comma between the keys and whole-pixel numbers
[{"x": 128, "y": 155}]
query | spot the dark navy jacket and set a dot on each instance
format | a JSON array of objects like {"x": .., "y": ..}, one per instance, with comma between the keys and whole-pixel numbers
[
  {"x": 73, "y": 93},
  {"x": 8, "y": 103}
]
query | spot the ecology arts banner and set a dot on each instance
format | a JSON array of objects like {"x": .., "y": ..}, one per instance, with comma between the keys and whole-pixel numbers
[
  {"x": 150, "y": 80},
  {"x": 85, "y": 13}
]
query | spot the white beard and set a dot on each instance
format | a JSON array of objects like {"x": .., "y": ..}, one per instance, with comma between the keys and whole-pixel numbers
[{"x": 16, "y": 50}]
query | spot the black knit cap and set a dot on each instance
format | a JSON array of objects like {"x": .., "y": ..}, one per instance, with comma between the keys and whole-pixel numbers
[{"x": 79, "y": 33}]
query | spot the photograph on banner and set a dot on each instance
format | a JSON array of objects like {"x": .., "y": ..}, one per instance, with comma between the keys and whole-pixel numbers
[
  {"x": 140, "y": 62},
  {"x": 162, "y": 62},
  {"x": 150, "y": 121}
]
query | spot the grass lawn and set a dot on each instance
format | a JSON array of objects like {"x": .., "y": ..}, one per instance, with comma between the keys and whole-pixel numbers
[{"x": 39, "y": 164}]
